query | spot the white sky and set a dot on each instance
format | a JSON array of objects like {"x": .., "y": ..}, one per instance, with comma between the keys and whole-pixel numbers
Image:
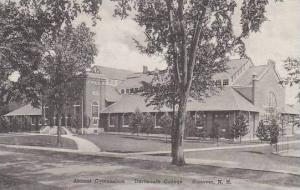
[{"x": 277, "y": 40}]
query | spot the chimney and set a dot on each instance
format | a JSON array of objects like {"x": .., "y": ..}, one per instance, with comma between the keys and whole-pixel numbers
[
  {"x": 254, "y": 79},
  {"x": 271, "y": 63},
  {"x": 145, "y": 69}
]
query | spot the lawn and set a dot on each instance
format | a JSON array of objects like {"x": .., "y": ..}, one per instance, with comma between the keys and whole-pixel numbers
[
  {"x": 37, "y": 140},
  {"x": 128, "y": 144}
]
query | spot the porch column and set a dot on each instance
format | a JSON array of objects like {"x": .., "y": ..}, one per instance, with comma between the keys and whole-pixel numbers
[
  {"x": 66, "y": 121},
  {"x": 155, "y": 114},
  {"x": 108, "y": 120},
  {"x": 195, "y": 117}
]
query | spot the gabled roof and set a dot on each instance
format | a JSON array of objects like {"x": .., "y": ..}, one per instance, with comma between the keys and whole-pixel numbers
[
  {"x": 233, "y": 66},
  {"x": 25, "y": 110},
  {"x": 227, "y": 100},
  {"x": 129, "y": 104},
  {"x": 111, "y": 73},
  {"x": 134, "y": 80},
  {"x": 111, "y": 94},
  {"x": 246, "y": 78}
]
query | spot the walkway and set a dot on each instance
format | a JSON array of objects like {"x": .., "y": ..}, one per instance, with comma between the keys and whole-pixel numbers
[
  {"x": 215, "y": 148},
  {"x": 82, "y": 144}
]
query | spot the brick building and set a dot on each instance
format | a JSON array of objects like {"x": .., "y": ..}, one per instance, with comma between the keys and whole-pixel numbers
[{"x": 255, "y": 91}]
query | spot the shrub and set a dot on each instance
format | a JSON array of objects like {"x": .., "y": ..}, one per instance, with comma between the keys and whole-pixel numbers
[
  {"x": 273, "y": 132},
  {"x": 262, "y": 132},
  {"x": 135, "y": 120},
  {"x": 240, "y": 127},
  {"x": 147, "y": 123},
  {"x": 166, "y": 123}
]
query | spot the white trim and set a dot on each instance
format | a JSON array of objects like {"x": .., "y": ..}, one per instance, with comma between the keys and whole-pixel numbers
[{"x": 125, "y": 126}]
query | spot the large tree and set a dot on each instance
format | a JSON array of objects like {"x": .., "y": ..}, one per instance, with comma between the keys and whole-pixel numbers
[
  {"x": 64, "y": 66},
  {"x": 196, "y": 37},
  {"x": 23, "y": 24}
]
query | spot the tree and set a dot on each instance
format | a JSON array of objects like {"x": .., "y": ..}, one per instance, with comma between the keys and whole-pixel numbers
[
  {"x": 262, "y": 132},
  {"x": 64, "y": 67},
  {"x": 166, "y": 123},
  {"x": 240, "y": 127},
  {"x": 147, "y": 124},
  {"x": 23, "y": 25},
  {"x": 196, "y": 38},
  {"x": 135, "y": 120},
  {"x": 292, "y": 65}
]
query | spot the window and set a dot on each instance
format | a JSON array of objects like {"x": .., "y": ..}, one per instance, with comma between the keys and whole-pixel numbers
[
  {"x": 131, "y": 91},
  {"x": 95, "y": 109},
  {"x": 136, "y": 90},
  {"x": 111, "y": 120},
  {"x": 200, "y": 120},
  {"x": 122, "y": 91},
  {"x": 127, "y": 91},
  {"x": 225, "y": 82},
  {"x": 126, "y": 119},
  {"x": 218, "y": 82}
]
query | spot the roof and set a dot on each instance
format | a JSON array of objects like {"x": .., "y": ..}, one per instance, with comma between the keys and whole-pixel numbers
[
  {"x": 111, "y": 73},
  {"x": 289, "y": 109},
  {"x": 227, "y": 100},
  {"x": 134, "y": 80},
  {"x": 111, "y": 94},
  {"x": 233, "y": 65},
  {"x": 129, "y": 104},
  {"x": 25, "y": 110},
  {"x": 246, "y": 78}
]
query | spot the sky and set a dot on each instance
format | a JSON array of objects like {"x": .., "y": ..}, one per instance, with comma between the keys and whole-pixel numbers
[{"x": 278, "y": 39}]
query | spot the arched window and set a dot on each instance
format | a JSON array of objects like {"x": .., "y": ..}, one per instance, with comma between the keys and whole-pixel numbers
[
  {"x": 271, "y": 106},
  {"x": 95, "y": 109}
]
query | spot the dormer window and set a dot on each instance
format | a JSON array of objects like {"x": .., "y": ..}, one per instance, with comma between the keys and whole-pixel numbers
[
  {"x": 225, "y": 82},
  {"x": 218, "y": 82}
]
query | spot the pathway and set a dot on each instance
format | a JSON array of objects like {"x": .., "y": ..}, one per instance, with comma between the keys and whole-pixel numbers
[{"x": 82, "y": 144}]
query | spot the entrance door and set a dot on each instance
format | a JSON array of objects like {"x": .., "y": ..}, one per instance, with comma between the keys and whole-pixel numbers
[{"x": 221, "y": 124}]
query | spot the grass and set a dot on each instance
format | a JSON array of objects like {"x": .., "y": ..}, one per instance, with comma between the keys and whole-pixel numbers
[
  {"x": 37, "y": 140},
  {"x": 132, "y": 143}
]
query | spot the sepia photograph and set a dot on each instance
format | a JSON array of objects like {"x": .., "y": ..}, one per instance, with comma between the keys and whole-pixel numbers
[{"x": 149, "y": 94}]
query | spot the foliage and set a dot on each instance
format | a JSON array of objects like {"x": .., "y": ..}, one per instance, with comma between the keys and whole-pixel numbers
[
  {"x": 240, "y": 127},
  {"x": 166, "y": 123},
  {"x": 292, "y": 66},
  {"x": 262, "y": 131},
  {"x": 23, "y": 27},
  {"x": 274, "y": 132},
  {"x": 196, "y": 38},
  {"x": 135, "y": 120},
  {"x": 147, "y": 124}
]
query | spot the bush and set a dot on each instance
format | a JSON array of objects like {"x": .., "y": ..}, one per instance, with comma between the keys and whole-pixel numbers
[
  {"x": 166, "y": 123},
  {"x": 240, "y": 127},
  {"x": 135, "y": 121},
  {"x": 147, "y": 123},
  {"x": 262, "y": 132},
  {"x": 4, "y": 125},
  {"x": 273, "y": 132},
  {"x": 215, "y": 132}
]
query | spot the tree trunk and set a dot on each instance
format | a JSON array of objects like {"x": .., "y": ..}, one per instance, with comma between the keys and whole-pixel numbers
[
  {"x": 177, "y": 145},
  {"x": 59, "y": 130}
]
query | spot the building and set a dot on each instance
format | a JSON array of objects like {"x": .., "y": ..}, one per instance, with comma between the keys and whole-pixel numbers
[{"x": 255, "y": 91}]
